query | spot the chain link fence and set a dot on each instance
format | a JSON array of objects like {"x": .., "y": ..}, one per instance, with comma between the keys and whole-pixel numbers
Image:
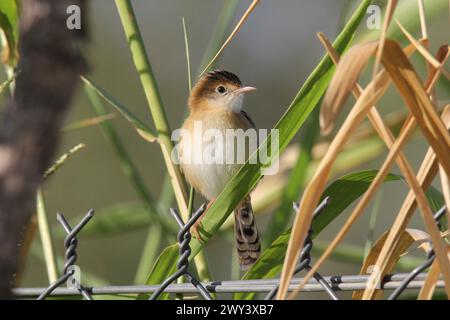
[{"x": 331, "y": 285}]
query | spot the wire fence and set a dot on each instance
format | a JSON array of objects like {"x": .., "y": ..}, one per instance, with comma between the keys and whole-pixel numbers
[{"x": 331, "y": 285}]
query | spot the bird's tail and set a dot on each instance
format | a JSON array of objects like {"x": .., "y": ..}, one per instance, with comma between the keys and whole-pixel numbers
[{"x": 246, "y": 234}]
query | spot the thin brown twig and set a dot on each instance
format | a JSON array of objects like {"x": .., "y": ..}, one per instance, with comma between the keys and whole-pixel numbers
[{"x": 233, "y": 33}]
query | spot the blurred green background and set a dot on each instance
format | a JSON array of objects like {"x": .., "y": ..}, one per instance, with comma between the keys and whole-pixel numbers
[{"x": 275, "y": 51}]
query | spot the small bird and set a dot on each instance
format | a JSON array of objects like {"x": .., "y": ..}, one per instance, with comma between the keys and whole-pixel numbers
[{"x": 216, "y": 103}]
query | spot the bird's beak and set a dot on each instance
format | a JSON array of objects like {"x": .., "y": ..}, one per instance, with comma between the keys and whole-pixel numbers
[{"x": 244, "y": 89}]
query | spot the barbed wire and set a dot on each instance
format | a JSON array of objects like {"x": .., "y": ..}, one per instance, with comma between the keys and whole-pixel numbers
[
  {"x": 70, "y": 243},
  {"x": 329, "y": 284},
  {"x": 184, "y": 239}
]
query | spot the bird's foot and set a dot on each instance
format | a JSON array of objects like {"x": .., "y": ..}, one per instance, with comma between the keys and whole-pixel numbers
[{"x": 197, "y": 227}]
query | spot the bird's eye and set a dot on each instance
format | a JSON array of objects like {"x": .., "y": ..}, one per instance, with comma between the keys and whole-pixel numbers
[{"x": 221, "y": 89}]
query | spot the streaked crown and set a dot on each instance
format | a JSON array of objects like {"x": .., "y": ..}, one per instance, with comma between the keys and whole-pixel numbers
[{"x": 214, "y": 87}]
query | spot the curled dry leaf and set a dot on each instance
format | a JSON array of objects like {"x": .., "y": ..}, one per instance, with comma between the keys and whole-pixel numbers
[
  {"x": 425, "y": 176},
  {"x": 348, "y": 71},
  {"x": 408, "y": 84},
  {"x": 407, "y": 239}
]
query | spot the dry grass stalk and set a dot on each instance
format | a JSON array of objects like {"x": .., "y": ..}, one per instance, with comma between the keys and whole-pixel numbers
[
  {"x": 369, "y": 97},
  {"x": 424, "y": 52},
  {"x": 426, "y": 293},
  {"x": 362, "y": 204},
  {"x": 445, "y": 184},
  {"x": 423, "y": 24},
  {"x": 377, "y": 122},
  {"x": 334, "y": 101},
  {"x": 390, "y": 8},
  {"x": 408, "y": 237},
  {"x": 405, "y": 78},
  {"x": 418, "y": 101},
  {"x": 233, "y": 33},
  {"x": 425, "y": 176},
  {"x": 388, "y": 138}
]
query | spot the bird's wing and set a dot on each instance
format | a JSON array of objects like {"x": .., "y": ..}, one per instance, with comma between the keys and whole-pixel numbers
[{"x": 246, "y": 116}]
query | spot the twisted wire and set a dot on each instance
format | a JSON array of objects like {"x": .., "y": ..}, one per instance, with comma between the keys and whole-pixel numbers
[
  {"x": 70, "y": 243},
  {"x": 305, "y": 257},
  {"x": 425, "y": 265},
  {"x": 184, "y": 250}
]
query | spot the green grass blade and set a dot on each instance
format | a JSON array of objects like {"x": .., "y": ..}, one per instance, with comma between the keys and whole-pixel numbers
[
  {"x": 115, "y": 220},
  {"x": 372, "y": 222},
  {"x": 44, "y": 227},
  {"x": 149, "y": 253},
  {"x": 408, "y": 13},
  {"x": 9, "y": 17},
  {"x": 88, "y": 278},
  {"x": 217, "y": 38},
  {"x": 164, "y": 266},
  {"x": 155, "y": 105},
  {"x": 436, "y": 201},
  {"x": 188, "y": 59},
  {"x": 142, "y": 129},
  {"x": 342, "y": 193},
  {"x": 128, "y": 167},
  {"x": 8, "y": 82},
  {"x": 62, "y": 159},
  {"x": 46, "y": 238},
  {"x": 303, "y": 104},
  {"x": 297, "y": 178}
]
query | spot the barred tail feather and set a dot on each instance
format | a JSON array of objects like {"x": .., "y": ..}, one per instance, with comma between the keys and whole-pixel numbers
[{"x": 247, "y": 239}]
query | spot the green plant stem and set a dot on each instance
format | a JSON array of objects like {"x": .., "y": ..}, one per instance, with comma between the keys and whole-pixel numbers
[
  {"x": 128, "y": 167},
  {"x": 163, "y": 230},
  {"x": 217, "y": 38},
  {"x": 60, "y": 161},
  {"x": 149, "y": 253},
  {"x": 87, "y": 278},
  {"x": 46, "y": 238},
  {"x": 372, "y": 222},
  {"x": 155, "y": 105}
]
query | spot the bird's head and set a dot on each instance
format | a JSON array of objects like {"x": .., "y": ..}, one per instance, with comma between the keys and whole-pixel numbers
[{"x": 218, "y": 89}]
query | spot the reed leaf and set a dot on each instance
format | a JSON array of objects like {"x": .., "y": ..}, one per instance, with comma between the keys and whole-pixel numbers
[{"x": 342, "y": 192}]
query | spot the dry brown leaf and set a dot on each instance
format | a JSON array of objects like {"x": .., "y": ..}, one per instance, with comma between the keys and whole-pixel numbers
[
  {"x": 407, "y": 238},
  {"x": 343, "y": 81},
  {"x": 390, "y": 8},
  {"x": 426, "y": 293},
  {"x": 406, "y": 78},
  {"x": 416, "y": 98},
  {"x": 383, "y": 172},
  {"x": 425, "y": 53},
  {"x": 89, "y": 122},
  {"x": 369, "y": 97},
  {"x": 375, "y": 118},
  {"x": 425, "y": 176}
]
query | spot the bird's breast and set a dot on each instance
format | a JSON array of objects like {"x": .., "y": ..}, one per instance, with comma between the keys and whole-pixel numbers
[{"x": 212, "y": 148}]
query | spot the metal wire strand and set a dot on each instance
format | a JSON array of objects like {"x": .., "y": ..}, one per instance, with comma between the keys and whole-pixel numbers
[
  {"x": 184, "y": 239},
  {"x": 430, "y": 258},
  {"x": 305, "y": 257},
  {"x": 71, "y": 243}
]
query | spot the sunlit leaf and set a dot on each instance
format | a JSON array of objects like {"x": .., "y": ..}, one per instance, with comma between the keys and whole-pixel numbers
[{"x": 342, "y": 193}]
